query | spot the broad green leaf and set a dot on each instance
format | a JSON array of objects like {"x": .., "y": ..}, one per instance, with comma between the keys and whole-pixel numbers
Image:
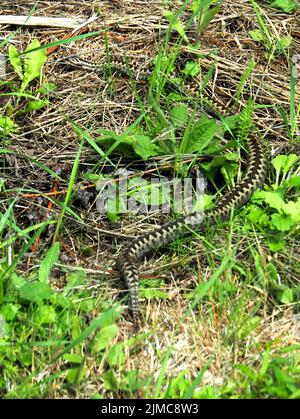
[
  {"x": 273, "y": 274},
  {"x": 15, "y": 60},
  {"x": 33, "y": 63},
  {"x": 74, "y": 358},
  {"x": 292, "y": 208},
  {"x": 282, "y": 222},
  {"x": 138, "y": 190},
  {"x": 211, "y": 168},
  {"x": 229, "y": 170},
  {"x": 207, "y": 17},
  {"x": 154, "y": 293},
  {"x": 45, "y": 314},
  {"x": 223, "y": 162},
  {"x": 230, "y": 122},
  {"x": 116, "y": 355},
  {"x": 175, "y": 24},
  {"x": 86, "y": 305},
  {"x": 109, "y": 379},
  {"x": 159, "y": 194},
  {"x": 233, "y": 157},
  {"x": 62, "y": 301},
  {"x": 200, "y": 135},
  {"x": 294, "y": 180},
  {"x": 108, "y": 317},
  {"x": 285, "y": 41},
  {"x": 143, "y": 146},
  {"x": 7, "y": 124},
  {"x": 115, "y": 206},
  {"x": 256, "y": 35},
  {"x": 48, "y": 262},
  {"x": 104, "y": 337},
  {"x": 154, "y": 193},
  {"x": 275, "y": 246},
  {"x": 286, "y": 5},
  {"x": 257, "y": 215},
  {"x": 174, "y": 97},
  {"x": 112, "y": 216},
  {"x": 198, "y": 204},
  {"x": 284, "y": 163},
  {"x": 36, "y": 104},
  {"x": 264, "y": 364},
  {"x": 93, "y": 177},
  {"x": 8, "y": 84},
  {"x": 47, "y": 88},
  {"x": 285, "y": 295},
  {"x": 191, "y": 68},
  {"x": 36, "y": 291},
  {"x": 9, "y": 311},
  {"x": 274, "y": 199},
  {"x": 18, "y": 281},
  {"x": 75, "y": 375},
  {"x": 179, "y": 115}
]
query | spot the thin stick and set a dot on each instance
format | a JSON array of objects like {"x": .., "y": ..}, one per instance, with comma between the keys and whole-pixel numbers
[{"x": 60, "y": 22}]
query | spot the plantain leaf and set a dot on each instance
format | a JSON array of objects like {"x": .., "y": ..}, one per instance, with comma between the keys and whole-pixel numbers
[
  {"x": 15, "y": 60},
  {"x": 33, "y": 62},
  {"x": 48, "y": 262}
]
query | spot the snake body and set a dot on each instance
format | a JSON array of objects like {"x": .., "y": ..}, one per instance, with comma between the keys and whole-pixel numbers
[
  {"x": 235, "y": 198},
  {"x": 127, "y": 262}
]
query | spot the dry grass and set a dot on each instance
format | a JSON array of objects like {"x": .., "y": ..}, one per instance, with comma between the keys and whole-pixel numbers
[{"x": 84, "y": 97}]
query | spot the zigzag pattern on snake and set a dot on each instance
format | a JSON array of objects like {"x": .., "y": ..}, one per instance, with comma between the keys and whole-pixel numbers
[{"x": 236, "y": 197}]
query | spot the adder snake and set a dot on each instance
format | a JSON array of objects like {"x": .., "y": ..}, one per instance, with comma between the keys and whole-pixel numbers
[{"x": 236, "y": 197}]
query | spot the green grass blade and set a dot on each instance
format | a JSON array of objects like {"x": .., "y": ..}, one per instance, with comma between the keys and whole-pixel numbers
[
  {"x": 25, "y": 233},
  {"x": 162, "y": 373},
  {"x": 82, "y": 133},
  {"x": 23, "y": 251},
  {"x": 66, "y": 41},
  {"x": 69, "y": 190}
]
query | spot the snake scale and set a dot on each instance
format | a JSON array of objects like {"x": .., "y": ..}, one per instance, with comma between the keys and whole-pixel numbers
[{"x": 127, "y": 262}]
